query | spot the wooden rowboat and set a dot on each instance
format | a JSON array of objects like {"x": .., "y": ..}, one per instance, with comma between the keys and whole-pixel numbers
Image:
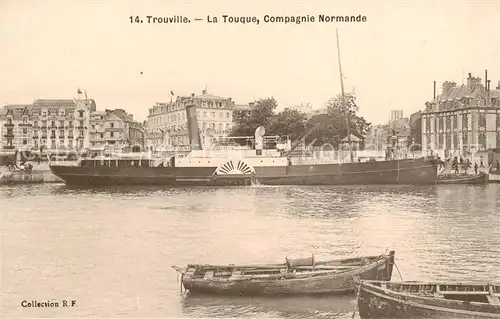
[
  {"x": 378, "y": 299},
  {"x": 296, "y": 276},
  {"x": 481, "y": 178}
]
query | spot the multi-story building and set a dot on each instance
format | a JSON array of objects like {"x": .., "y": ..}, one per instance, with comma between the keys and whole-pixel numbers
[
  {"x": 116, "y": 130},
  {"x": 47, "y": 124},
  {"x": 167, "y": 122},
  {"x": 462, "y": 119},
  {"x": 377, "y": 137}
]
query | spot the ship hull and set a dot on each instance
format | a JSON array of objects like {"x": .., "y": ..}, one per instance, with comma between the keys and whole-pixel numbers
[{"x": 409, "y": 171}]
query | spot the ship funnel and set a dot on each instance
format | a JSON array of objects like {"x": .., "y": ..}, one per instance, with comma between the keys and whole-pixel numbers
[
  {"x": 193, "y": 130},
  {"x": 259, "y": 134},
  {"x": 209, "y": 137}
]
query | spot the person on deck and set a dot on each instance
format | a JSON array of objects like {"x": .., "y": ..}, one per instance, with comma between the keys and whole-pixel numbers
[
  {"x": 475, "y": 168},
  {"x": 455, "y": 165}
]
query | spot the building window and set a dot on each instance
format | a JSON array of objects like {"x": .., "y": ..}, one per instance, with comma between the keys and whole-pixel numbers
[
  {"x": 482, "y": 120},
  {"x": 53, "y": 123},
  {"x": 52, "y": 143},
  {"x": 111, "y": 134},
  {"x": 213, "y": 114},
  {"x": 61, "y": 133},
  {"x": 111, "y": 124},
  {"x": 80, "y": 113},
  {"x": 213, "y": 126},
  {"x": 227, "y": 116},
  {"x": 25, "y": 130},
  {"x": 81, "y": 123},
  {"x": 25, "y": 142},
  {"x": 25, "y": 119},
  {"x": 70, "y": 143},
  {"x": 61, "y": 123},
  {"x": 220, "y": 127},
  {"x": 44, "y": 123},
  {"x": 53, "y": 134},
  {"x": 204, "y": 114},
  {"x": 482, "y": 141},
  {"x": 102, "y": 135}
]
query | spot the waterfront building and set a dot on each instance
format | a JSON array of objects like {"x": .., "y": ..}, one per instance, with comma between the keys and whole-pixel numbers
[
  {"x": 401, "y": 127},
  {"x": 167, "y": 122},
  {"x": 377, "y": 137},
  {"x": 46, "y": 124},
  {"x": 116, "y": 130},
  {"x": 462, "y": 119}
]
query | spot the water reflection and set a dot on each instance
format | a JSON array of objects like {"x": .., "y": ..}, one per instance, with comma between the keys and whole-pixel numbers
[
  {"x": 272, "y": 307},
  {"x": 112, "y": 247}
]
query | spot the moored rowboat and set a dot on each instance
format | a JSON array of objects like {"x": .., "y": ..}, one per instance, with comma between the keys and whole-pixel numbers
[
  {"x": 296, "y": 276},
  {"x": 481, "y": 178},
  {"x": 378, "y": 299}
]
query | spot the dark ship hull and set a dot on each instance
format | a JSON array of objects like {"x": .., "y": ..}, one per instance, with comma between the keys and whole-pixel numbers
[{"x": 406, "y": 171}]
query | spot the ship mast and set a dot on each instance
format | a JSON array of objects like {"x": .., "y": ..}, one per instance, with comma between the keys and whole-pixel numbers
[{"x": 343, "y": 101}]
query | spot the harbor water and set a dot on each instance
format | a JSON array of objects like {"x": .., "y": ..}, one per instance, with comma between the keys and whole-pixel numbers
[{"x": 110, "y": 249}]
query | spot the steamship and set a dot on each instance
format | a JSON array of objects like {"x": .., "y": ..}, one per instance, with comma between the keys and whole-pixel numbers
[
  {"x": 259, "y": 165},
  {"x": 209, "y": 167}
]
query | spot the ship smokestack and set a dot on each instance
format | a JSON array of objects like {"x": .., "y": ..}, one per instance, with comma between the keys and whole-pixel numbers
[
  {"x": 486, "y": 80},
  {"x": 434, "y": 96},
  {"x": 193, "y": 130}
]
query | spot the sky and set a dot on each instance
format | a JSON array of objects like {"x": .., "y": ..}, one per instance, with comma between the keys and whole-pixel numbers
[{"x": 49, "y": 49}]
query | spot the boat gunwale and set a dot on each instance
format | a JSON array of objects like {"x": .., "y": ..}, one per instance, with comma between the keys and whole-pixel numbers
[
  {"x": 412, "y": 299},
  {"x": 312, "y": 275}
]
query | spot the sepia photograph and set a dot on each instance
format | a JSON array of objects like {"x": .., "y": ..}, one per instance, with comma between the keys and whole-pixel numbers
[{"x": 249, "y": 159}]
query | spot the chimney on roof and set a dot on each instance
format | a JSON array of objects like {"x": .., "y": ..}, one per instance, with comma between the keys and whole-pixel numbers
[
  {"x": 447, "y": 86},
  {"x": 473, "y": 81},
  {"x": 434, "y": 96}
]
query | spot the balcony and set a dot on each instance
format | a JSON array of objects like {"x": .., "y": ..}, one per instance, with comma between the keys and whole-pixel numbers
[
  {"x": 35, "y": 136},
  {"x": 25, "y": 125},
  {"x": 9, "y": 124},
  {"x": 9, "y": 135},
  {"x": 9, "y": 147}
]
